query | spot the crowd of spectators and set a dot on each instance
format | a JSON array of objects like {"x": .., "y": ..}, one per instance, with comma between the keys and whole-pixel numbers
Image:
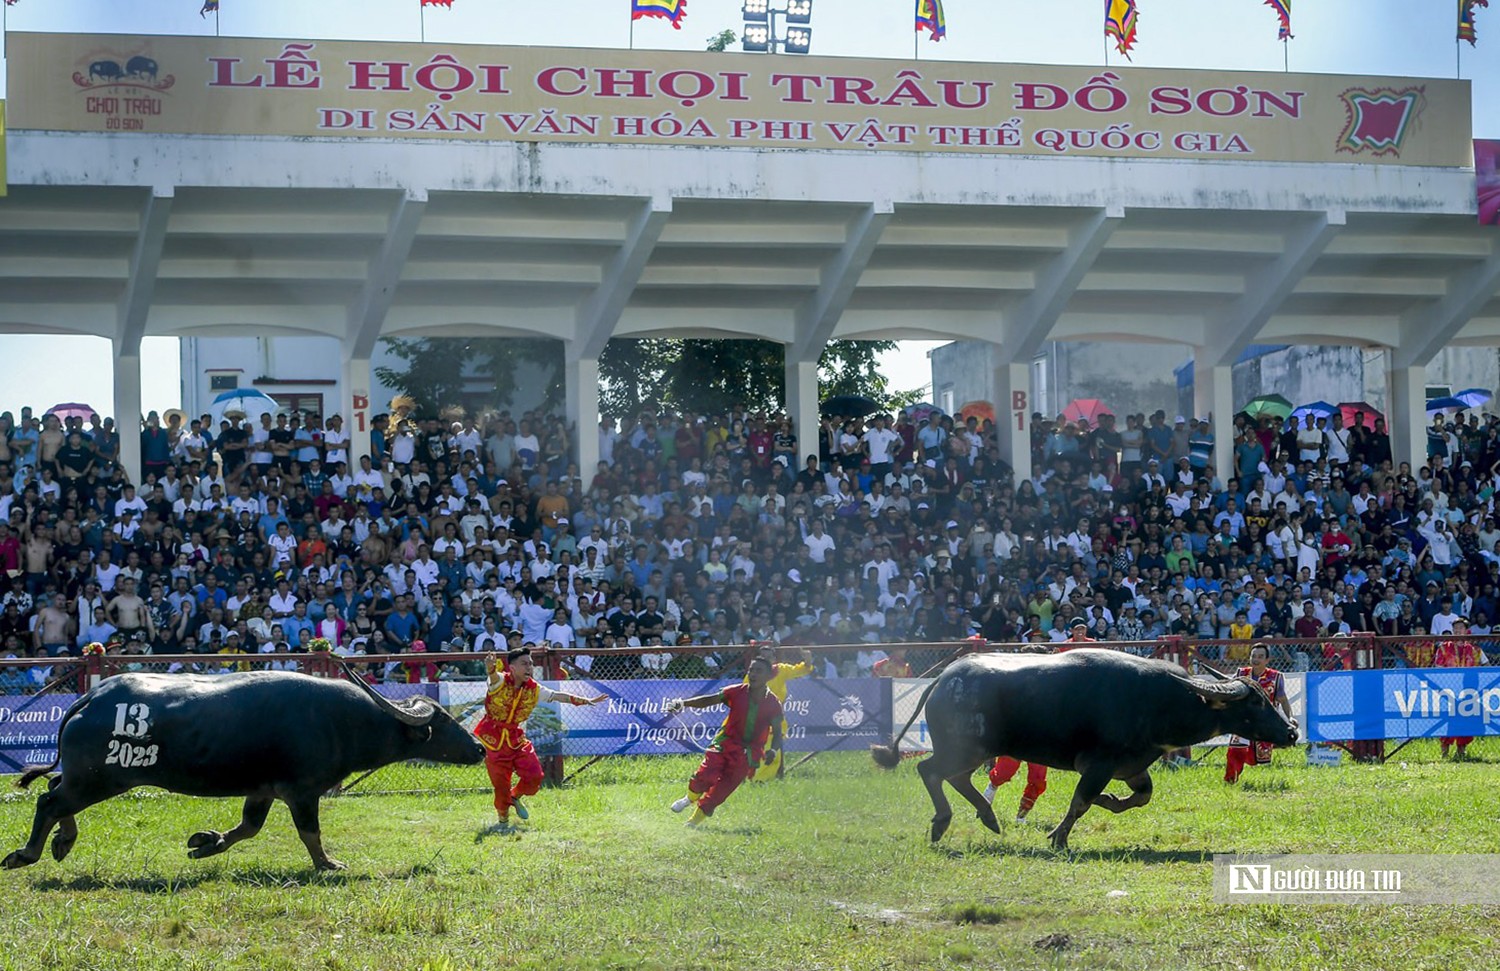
[{"x": 724, "y": 529}]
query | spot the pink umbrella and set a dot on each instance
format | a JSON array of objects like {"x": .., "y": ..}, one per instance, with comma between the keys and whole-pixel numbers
[
  {"x": 1366, "y": 411},
  {"x": 72, "y": 409},
  {"x": 1086, "y": 409}
]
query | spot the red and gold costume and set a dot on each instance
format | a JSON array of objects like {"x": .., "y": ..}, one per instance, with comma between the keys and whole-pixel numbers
[
  {"x": 889, "y": 667},
  {"x": 1244, "y": 753},
  {"x": 1005, "y": 769},
  {"x": 502, "y": 731},
  {"x": 1456, "y": 654},
  {"x": 741, "y": 741}
]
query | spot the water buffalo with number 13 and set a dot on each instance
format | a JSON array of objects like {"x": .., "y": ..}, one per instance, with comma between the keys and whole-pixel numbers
[{"x": 263, "y": 735}]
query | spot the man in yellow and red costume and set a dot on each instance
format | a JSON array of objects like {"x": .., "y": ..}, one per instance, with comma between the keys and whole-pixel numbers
[
  {"x": 502, "y": 731},
  {"x": 740, "y": 747}
]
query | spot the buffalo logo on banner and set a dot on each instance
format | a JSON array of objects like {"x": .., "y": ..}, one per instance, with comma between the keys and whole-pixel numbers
[
  {"x": 1378, "y": 121},
  {"x": 851, "y": 713},
  {"x": 111, "y": 70}
]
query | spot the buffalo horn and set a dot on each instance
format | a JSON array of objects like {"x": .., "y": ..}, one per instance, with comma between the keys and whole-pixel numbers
[
  {"x": 1232, "y": 690},
  {"x": 1217, "y": 675},
  {"x": 402, "y": 714}
]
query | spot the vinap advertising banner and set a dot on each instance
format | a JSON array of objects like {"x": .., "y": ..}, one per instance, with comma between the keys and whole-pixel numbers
[
  {"x": 821, "y": 715},
  {"x": 454, "y": 92},
  {"x": 1402, "y": 703}
]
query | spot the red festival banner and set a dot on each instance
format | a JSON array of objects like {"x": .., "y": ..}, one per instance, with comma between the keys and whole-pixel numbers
[{"x": 1487, "y": 180}]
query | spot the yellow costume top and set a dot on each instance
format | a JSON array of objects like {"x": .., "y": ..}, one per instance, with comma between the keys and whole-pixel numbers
[
  {"x": 507, "y": 705},
  {"x": 781, "y": 674}
]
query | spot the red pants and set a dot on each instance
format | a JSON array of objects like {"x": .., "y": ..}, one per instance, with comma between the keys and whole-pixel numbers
[
  {"x": 1236, "y": 758},
  {"x": 718, "y": 775},
  {"x": 1462, "y": 741},
  {"x": 523, "y": 763},
  {"x": 1005, "y": 769}
]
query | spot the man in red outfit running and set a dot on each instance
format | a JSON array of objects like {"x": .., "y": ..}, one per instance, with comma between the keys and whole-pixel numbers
[
  {"x": 740, "y": 747},
  {"x": 1243, "y": 753},
  {"x": 502, "y": 731}
]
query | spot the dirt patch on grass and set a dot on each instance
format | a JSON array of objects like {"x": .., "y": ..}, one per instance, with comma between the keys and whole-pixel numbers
[
  {"x": 1055, "y": 942},
  {"x": 976, "y": 912}
]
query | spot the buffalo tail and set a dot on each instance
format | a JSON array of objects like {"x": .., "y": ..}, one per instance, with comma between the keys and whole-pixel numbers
[
  {"x": 34, "y": 773},
  {"x": 889, "y": 756}
]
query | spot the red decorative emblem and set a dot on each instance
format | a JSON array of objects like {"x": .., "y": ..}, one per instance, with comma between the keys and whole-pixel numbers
[{"x": 1378, "y": 121}]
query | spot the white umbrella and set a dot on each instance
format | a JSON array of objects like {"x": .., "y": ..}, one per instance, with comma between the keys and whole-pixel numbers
[{"x": 244, "y": 402}]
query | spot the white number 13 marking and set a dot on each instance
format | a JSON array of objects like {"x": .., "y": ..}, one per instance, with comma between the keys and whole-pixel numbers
[{"x": 133, "y": 721}]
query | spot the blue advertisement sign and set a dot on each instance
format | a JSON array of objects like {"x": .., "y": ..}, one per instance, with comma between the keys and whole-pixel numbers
[
  {"x": 1402, "y": 703},
  {"x": 28, "y": 729},
  {"x": 821, "y": 715}
]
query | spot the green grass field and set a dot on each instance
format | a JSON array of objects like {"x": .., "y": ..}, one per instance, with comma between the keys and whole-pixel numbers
[{"x": 829, "y": 868}]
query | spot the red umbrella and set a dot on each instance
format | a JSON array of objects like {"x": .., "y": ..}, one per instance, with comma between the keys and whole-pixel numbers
[
  {"x": 1086, "y": 409},
  {"x": 72, "y": 409},
  {"x": 1351, "y": 408},
  {"x": 983, "y": 410}
]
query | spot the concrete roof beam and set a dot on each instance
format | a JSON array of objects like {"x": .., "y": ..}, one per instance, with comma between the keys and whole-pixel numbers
[
  {"x": 1267, "y": 289},
  {"x": 1426, "y": 330},
  {"x": 145, "y": 263},
  {"x": 819, "y": 314},
  {"x": 368, "y": 312},
  {"x": 1028, "y": 326},
  {"x": 599, "y": 314}
]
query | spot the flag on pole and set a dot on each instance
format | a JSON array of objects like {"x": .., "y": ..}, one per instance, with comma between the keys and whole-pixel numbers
[
  {"x": 209, "y": 6},
  {"x": 673, "y": 10},
  {"x": 1120, "y": 22},
  {"x": 1283, "y": 10},
  {"x": 930, "y": 18},
  {"x": 1466, "y": 20},
  {"x": 438, "y": 3}
]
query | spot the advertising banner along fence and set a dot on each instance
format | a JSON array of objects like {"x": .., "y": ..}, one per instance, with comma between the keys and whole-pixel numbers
[
  {"x": 360, "y": 89},
  {"x": 821, "y": 715},
  {"x": 1402, "y": 703}
]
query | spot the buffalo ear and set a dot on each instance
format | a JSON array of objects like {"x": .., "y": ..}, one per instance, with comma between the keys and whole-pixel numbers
[{"x": 419, "y": 733}]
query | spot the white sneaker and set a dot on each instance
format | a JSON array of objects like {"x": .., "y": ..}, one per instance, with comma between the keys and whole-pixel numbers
[
  {"x": 1020, "y": 818},
  {"x": 989, "y": 794},
  {"x": 681, "y": 804}
]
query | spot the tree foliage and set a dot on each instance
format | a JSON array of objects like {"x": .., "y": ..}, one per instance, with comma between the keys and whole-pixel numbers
[
  {"x": 719, "y": 43},
  {"x": 655, "y": 373}
]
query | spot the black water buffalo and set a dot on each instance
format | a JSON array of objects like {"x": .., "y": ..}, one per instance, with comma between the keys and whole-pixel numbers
[
  {"x": 141, "y": 67},
  {"x": 108, "y": 70},
  {"x": 1104, "y": 714},
  {"x": 264, "y": 735}
]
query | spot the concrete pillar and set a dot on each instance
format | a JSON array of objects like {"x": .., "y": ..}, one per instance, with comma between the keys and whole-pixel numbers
[
  {"x": 128, "y": 413},
  {"x": 1406, "y": 416},
  {"x": 1213, "y": 398},
  {"x": 355, "y": 407},
  {"x": 1011, "y": 394},
  {"x": 802, "y": 405},
  {"x": 583, "y": 411}
]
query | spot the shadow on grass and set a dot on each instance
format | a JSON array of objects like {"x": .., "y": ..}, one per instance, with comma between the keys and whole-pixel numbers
[
  {"x": 1150, "y": 857},
  {"x": 287, "y": 877}
]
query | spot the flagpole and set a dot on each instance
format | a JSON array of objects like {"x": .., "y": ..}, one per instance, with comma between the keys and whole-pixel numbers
[
  {"x": 216, "y": 23},
  {"x": 632, "y": 30},
  {"x": 422, "y": 11},
  {"x": 1106, "y": 33}
]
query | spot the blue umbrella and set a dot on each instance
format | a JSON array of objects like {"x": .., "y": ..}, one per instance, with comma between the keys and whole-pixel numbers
[
  {"x": 1318, "y": 409},
  {"x": 1444, "y": 404},
  {"x": 1473, "y": 397},
  {"x": 244, "y": 401}
]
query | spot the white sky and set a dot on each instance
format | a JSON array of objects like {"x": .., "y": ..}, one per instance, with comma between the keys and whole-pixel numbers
[{"x": 1383, "y": 37}]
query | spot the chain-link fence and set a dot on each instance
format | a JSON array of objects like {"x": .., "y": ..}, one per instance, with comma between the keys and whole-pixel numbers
[{"x": 834, "y": 698}]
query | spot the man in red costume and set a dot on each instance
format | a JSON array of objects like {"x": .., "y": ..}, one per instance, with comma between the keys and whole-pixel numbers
[
  {"x": 1243, "y": 753},
  {"x": 754, "y": 716},
  {"x": 1457, "y": 653},
  {"x": 502, "y": 731},
  {"x": 1005, "y": 769}
]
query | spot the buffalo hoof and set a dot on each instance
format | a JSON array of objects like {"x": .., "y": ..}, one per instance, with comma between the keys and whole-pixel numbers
[
  {"x": 205, "y": 844},
  {"x": 16, "y": 860},
  {"x": 1059, "y": 842},
  {"x": 940, "y": 826},
  {"x": 329, "y": 864},
  {"x": 990, "y": 822},
  {"x": 62, "y": 847}
]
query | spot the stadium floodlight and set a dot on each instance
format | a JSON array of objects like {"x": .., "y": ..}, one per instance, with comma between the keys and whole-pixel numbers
[
  {"x": 798, "y": 11},
  {"x": 756, "y": 38},
  {"x": 757, "y": 11},
  {"x": 798, "y": 40}
]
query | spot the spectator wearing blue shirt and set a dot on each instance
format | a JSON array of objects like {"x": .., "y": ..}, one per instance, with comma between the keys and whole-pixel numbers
[{"x": 401, "y": 627}]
